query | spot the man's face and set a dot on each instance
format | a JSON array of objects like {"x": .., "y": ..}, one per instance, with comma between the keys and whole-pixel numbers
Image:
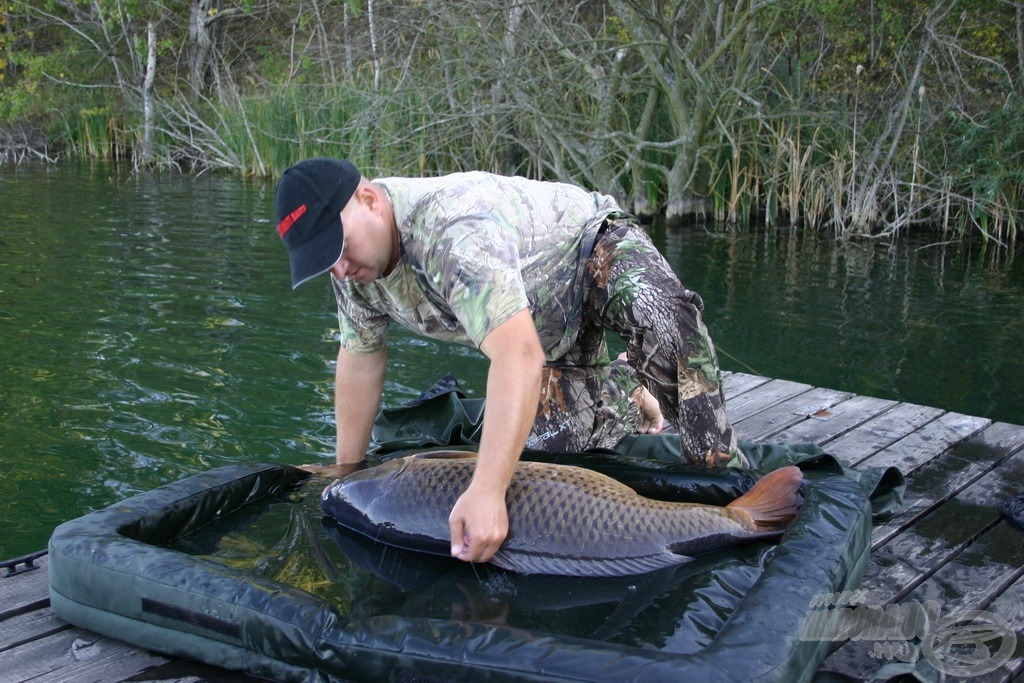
[{"x": 366, "y": 252}]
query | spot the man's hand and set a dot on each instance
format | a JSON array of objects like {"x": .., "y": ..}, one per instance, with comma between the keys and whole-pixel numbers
[
  {"x": 651, "y": 419},
  {"x": 478, "y": 524}
]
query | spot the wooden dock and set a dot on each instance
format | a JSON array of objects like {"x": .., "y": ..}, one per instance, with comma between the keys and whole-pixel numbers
[{"x": 949, "y": 544}]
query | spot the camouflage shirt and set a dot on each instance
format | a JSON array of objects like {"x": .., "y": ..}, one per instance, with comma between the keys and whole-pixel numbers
[{"x": 476, "y": 249}]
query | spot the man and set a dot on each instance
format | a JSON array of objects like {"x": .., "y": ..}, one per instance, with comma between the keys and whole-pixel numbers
[{"x": 529, "y": 272}]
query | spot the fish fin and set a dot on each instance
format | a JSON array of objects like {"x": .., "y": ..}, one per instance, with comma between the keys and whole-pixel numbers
[
  {"x": 773, "y": 501},
  {"x": 444, "y": 455},
  {"x": 536, "y": 563}
]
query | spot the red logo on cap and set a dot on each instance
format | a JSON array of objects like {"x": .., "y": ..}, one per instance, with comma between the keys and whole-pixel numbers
[{"x": 286, "y": 222}]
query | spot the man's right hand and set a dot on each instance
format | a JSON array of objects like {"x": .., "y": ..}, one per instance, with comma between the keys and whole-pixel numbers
[{"x": 478, "y": 523}]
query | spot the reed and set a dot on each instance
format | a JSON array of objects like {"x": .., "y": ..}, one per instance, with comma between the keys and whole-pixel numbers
[
  {"x": 270, "y": 132},
  {"x": 733, "y": 190},
  {"x": 771, "y": 169},
  {"x": 99, "y": 133}
]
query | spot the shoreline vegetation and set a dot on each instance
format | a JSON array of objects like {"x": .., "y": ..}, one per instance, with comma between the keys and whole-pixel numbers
[{"x": 858, "y": 120}]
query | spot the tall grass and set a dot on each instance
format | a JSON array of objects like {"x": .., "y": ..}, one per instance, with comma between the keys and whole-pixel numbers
[
  {"x": 789, "y": 168},
  {"x": 269, "y": 132},
  {"x": 99, "y": 133},
  {"x": 801, "y": 171}
]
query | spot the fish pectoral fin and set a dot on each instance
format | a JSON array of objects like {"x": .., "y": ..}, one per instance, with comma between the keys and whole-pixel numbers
[
  {"x": 445, "y": 455},
  {"x": 536, "y": 563},
  {"x": 714, "y": 542}
]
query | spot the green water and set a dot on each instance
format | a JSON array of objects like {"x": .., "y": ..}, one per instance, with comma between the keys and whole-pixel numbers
[{"x": 148, "y": 332}]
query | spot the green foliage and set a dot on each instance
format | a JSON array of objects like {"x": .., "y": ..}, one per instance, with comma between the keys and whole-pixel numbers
[
  {"x": 30, "y": 94},
  {"x": 993, "y": 177}
]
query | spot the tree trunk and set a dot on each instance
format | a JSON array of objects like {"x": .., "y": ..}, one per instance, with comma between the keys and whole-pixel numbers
[
  {"x": 864, "y": 205},
  {"x": 325, "y": 44},
  {"x": 639, "y": 201},
  {"x": 349, "y": 65},
  {"x": 374, "y": 49},
  {"x": 147, "y": 96},
  {"x": 200, "y": 45},
  {"x": 703, "y": 57},
  {"x": 510, "y": 155}
]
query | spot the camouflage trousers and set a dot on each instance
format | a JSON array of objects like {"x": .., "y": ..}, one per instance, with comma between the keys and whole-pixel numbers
[{"x": 587, "y": 402}]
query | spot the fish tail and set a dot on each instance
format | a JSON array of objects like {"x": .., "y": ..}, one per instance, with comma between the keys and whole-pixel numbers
[{"x": 773, "y": 501}]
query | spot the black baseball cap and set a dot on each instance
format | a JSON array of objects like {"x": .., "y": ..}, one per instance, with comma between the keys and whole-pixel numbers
[{"x": 308, "y": 204}]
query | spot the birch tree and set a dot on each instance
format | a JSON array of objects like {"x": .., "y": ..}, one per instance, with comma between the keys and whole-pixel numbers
[{"x": 148, "y": 104}]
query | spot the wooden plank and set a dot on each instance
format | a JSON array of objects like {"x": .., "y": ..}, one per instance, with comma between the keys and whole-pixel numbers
[
  {"x": 905, "y": 561},
  {"x": 956, "y": 552},
  {"x": 872, "y": 436},
  {"x": 30, "y": 626},
  {"x": 185, "y": 671},
  {"x": 736, "y": 383},
  {"x": 26, "y": 591},
  {"x": 766, "y": 424},
  {"x": 75, "y": 655},
  {"x": 980, "y": 574},
  {"x": 970, "y": 581},
  {"x": 943, "y": 478},
  {"x": 821, "y": 428},
  {"x": 930, "y": 441},
  {"x": 1010, "y": 606},
  {"x": 131, "y": 664},
  {"x": 761, "y": 398}
]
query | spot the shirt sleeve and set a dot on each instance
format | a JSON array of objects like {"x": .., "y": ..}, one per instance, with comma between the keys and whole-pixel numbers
[{"x": 363, "y": 329}]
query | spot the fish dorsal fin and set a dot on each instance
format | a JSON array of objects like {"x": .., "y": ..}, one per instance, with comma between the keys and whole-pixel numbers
[{"x": 444, "y": 455}]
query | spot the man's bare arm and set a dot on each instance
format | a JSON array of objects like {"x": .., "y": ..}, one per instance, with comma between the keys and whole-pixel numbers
[
  {"x": 358, "y": 386},
  {"x": 479, "y": 520}
]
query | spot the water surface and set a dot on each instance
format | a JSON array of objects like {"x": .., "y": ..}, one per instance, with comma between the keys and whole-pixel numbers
[{"x": 148, "y": 332}]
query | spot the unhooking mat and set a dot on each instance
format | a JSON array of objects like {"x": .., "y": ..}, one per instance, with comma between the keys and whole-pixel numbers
[{"x": 122, "y": 572}]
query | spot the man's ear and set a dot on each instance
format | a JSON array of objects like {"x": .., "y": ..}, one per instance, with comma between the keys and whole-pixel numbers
[{"x": 368, "y": 196}]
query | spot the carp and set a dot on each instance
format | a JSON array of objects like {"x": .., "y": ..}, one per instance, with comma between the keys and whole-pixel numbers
[{"x": 562, "y": 519}]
